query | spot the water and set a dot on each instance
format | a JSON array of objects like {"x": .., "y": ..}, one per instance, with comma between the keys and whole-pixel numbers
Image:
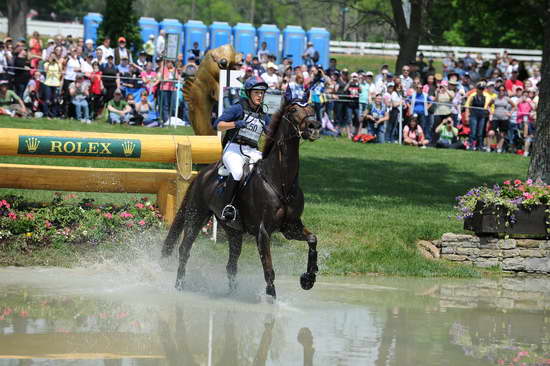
[{"x": 129, "y": 314}]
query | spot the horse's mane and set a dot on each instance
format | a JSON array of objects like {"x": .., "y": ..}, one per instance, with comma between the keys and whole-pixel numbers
[{"x": 276, "y": 119}]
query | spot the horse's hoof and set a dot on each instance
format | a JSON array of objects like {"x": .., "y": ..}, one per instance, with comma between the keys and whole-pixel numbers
[
  {"x": 270, "y": 290},
  {"x": 307, "y": 280}
]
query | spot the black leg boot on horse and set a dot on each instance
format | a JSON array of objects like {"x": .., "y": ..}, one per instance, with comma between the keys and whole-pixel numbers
[{"x": 230, "y": 215}]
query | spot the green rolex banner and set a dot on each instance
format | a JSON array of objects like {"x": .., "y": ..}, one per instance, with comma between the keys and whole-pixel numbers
[{"x": 68, "y": 146}]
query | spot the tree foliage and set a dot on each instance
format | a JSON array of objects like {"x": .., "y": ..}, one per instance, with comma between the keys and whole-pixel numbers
[{"x": 119, "y": 19}]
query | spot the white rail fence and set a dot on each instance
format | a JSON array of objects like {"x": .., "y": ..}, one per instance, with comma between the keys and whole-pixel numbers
[
  {"x": 392, "y": 49},
  {"x": 47, "y": 28}
]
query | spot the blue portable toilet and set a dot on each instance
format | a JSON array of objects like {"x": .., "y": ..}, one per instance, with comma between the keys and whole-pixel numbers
[
  {"x": 269, "y": 34},
  {"x": 320, "y": 38},
  {"x": 294, "y": 43},
  {"x": 173, "y": 26},
  {"x": 195, "y": 31},
  {"x": 244, "y": 38},
  {"x": 148, "y": 26},
  {"x": 220, "y": 34},
  {"x": 91, "y": 24}
]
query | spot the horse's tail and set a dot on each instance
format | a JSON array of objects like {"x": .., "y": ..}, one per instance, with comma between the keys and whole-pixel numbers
[{"x": 177, "y": 226}]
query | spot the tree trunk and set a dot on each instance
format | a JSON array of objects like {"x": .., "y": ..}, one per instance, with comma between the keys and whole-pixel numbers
[
  {"x": 539, "y": 166},
  {"x": 17, "y": 18},
  {"x": 407, "y": 37}
]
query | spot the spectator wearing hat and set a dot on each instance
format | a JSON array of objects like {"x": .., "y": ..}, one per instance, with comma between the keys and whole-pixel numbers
[
  {"x": 106, "y": 49},
  {"x": 122, "y": 52},
  {"x": 10, "y": 103},
  {"x": 310, "y": 55},
  {"x": 376, "y": 116},
  {"x": 88, "y": 48},
  {"x": 351, "y": 90},
  {"x": 271, "y": 77},
  {"x": 466, "y": 82},
  {"x": 141, "y": 60},
  {"x": 79, "y": 98},
  {"x": 109, "y": 73},
  {"x": 443, "y": 103},
  {"x": 413, "y": 134},
  {"x": 477, "y": 112},
  {"x": 119, "y": 110},
  {"x": 149, "y": 47}
]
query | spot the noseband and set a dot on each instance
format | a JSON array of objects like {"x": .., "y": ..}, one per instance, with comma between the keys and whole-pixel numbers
[{"x": 298, "y": 132}]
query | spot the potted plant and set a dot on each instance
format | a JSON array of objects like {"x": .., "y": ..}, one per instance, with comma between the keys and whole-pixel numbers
[{"x": 516, "y": 207}]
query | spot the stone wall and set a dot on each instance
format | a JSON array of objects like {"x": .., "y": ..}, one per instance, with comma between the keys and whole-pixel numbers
[{"x": 516, "y": 255}]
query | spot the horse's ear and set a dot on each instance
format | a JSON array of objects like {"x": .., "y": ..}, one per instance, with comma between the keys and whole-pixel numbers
[{"x": 288, "y": 95}]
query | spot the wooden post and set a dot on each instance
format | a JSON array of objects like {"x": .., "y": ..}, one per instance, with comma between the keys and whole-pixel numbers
[
  {"x": 166, "y": 200},
  {"x": 184, "y": 168}
]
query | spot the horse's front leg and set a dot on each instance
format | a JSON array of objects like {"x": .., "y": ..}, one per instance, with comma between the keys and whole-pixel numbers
[
  {"x": 263, "y": 240},
  {"x": 297, "y": 231},
  {"x": 235, "y": 239}
]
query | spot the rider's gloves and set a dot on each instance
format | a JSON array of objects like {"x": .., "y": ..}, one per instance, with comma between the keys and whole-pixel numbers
[{"x": 240, "y": 123}]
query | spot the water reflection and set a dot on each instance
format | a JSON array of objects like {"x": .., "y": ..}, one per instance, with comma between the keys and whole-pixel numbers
[{"x": 376, "y": 321}]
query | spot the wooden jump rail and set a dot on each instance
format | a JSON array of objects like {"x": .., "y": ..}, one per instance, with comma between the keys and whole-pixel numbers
[{"x": 170, "y": 185}]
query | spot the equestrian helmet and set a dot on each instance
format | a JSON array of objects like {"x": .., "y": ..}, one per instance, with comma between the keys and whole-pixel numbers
[{"x": 255, "y": 83}]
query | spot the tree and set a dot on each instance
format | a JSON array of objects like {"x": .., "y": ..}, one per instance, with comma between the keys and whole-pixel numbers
[
  {"x": 539, "y": 166},
  {"x": 17, "y": 18},
  {"x": 120, "y": 20}
]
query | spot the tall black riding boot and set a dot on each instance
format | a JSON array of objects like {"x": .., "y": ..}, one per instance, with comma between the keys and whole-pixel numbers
[{"x": 229, "y": 212}]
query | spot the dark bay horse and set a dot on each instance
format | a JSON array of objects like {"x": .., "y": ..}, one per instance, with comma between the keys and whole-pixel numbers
[{"x": 270, "y": 201}]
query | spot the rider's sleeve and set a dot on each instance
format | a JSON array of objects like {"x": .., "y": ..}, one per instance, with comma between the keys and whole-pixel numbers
[
  {"x": 230, "y": 114},
  {"x": 267, "y": 119}
]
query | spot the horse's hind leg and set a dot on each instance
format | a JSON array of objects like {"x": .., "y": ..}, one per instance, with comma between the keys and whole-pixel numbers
[
  {"x": 297, "y": 231},
  {"x": 264, "y": 248},
  {"x": 235, "y": 239},
  {"x": 193, "y": 224}
]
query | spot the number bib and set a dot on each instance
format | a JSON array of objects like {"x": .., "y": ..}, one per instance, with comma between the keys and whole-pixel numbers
[{"x": 253, "y": 131}]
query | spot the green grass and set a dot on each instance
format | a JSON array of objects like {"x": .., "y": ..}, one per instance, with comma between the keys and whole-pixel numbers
[
  {"x": 371, "y": 62},
  {"x": 368, "y": 204}
]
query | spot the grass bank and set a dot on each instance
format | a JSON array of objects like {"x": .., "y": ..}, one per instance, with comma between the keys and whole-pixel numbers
[{"x": 368, "y": 204}]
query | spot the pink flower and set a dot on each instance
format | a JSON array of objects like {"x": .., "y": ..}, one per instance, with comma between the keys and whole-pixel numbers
[
  {"x": 515, "y": 359},
  {"x": 103, "y": 315},
  {"x": 126, "y": 215},
  {"x": 501, "y": 362},
  {"x": 108, "y": 215},
  {"x": 4, "y": 203},
  {"x": 7, "y": 311},
  {"x": 506, "y": 182},
  {"x": 23, "y": 313},
  {"x": 122, "y": 315},
  {"x": 528, "y": 196},
  {"x": 1, "y": 317},
  {"x": 523, "y": 353},
  {"x": 529, "y": 182},
  {"x": 29, "y": 216},
  {"x": 12, "y": 216},
  {"x": 140, "y": 205},
  {"x": 141, "y": 222},
  {"x": 130, "y": 224},
  {"x": 48, "y": 224},
  {"x": 517, "y": 182}
]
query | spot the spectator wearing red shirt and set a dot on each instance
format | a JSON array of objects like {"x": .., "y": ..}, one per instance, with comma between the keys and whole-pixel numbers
[{"x": 512, "y": 83}]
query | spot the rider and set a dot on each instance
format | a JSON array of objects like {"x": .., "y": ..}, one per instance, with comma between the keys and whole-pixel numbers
[{"x": 244, "y": 122}]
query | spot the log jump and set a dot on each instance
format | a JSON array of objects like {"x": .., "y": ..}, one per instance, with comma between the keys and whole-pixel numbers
[{"x": 170, "y": 185}]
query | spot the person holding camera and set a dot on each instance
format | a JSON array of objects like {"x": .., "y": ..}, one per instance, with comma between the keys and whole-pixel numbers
[
  {"x": 443, "y": 102},
  {"x": 448, "y": 134},
  {"x": 376, "y": 116}
]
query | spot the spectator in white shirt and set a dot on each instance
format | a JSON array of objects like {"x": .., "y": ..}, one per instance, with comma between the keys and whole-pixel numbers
[
  {"x": 160, "y": 44},
  {"x": 106, "y": 48},
  {"x": 271, "y": 77},
  {"x": 406, "y": 80}
]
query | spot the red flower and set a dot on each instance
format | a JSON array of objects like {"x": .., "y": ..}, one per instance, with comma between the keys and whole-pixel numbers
[
  {"x": 517, "y": 182},
  {"x": 108, "y": 215},
  {"x": 12, "y": 216},
  {"x": 30, "y": 216},
  {"x": 140, "y": 205},
  {"x": 507, "y": 182},
  {"x": 141, "y": 222},
  {"x": 23, "y": 313}
]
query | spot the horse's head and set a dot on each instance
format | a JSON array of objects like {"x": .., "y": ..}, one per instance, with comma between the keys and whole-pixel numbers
[{"x": 302, "y": 116}]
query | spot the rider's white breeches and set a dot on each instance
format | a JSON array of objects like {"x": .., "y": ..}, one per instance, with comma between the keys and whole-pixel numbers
[{"x": 235, "y": 156}]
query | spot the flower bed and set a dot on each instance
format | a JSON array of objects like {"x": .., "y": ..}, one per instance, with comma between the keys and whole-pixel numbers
[
  {"x": 511, "y": 208},
  {"x": 66, "y": 220}
]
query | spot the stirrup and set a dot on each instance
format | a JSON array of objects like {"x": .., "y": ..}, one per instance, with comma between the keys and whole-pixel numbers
[{"x": 229, "y": 213}]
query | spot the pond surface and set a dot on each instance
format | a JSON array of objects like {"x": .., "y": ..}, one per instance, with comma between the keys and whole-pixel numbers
[{"x": 130, "y": 315}]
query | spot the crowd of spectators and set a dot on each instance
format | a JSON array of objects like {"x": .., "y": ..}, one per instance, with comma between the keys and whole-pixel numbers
[{"x": 473, "y": 103}]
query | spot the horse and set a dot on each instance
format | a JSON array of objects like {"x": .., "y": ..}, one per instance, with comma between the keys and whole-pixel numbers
[{"x": 269, "y": 200}]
